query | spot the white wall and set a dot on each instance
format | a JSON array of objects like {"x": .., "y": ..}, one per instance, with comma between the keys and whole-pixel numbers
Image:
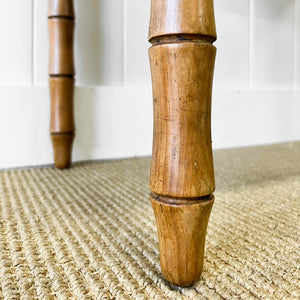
[{"x": 256, "y": 97}]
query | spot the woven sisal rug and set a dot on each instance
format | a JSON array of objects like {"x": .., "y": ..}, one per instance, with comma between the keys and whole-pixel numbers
[{"x": 89, "y": 232}]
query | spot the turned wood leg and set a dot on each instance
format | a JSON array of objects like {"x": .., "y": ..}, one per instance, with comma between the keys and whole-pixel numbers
[
  {"x": 61, "y": 79},
  {"x": 182, "y": 177}
]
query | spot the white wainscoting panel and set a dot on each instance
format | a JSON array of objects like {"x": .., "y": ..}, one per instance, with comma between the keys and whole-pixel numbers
[
  {"x": 246, "y": 117},
  {"x": 272, "y": 44},
  {"x": 297, "y": 46},
  {"x": 41, "y": 42},
  {"x": 24, "y": 126},
  {"x": 256, "y": 95},
  {"x": 232, "y": 60},
  {"x": 115, "y": 122},
  {"x": 111, "y": 122},
  {"x": 16, "y": 42},
  {"x": 98, "y": 42},
  {"x": 137, "y": 69}
]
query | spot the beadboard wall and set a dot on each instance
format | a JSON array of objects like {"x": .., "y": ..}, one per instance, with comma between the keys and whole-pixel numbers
[{"x": 256, "y": 97}]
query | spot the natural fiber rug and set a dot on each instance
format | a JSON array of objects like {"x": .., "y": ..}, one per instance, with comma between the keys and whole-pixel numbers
[{"x": 89, "y": 232}]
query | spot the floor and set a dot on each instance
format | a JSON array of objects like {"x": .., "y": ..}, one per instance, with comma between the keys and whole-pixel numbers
[{"x": 89, "y": 232}]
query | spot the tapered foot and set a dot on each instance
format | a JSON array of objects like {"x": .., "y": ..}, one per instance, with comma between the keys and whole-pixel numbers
[
  {"x": 62, "y": 147},
  {"x": 181, "y": 226}
]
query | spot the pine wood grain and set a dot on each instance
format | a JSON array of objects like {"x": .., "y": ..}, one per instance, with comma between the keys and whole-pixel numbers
[
  {"x": 62, "y": 111},
  {"x": 182, "y": 164},
  {"x": 61, "y": 32}
]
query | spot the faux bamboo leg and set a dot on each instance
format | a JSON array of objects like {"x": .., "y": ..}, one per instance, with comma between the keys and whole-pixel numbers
[
  {"x": 61, "y": 79},
  {"x": 182, "y": 176}
]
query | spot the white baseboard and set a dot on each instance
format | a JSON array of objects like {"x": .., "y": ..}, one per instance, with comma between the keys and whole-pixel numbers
[
  {"x": 254, "y": 117},
  {"x": 115, "y": 122}
]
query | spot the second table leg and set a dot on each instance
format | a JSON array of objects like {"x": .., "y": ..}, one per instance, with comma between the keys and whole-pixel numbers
[{"x": 61, "y": 79}]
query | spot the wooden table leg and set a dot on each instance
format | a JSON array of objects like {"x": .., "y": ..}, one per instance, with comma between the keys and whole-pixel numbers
[
  {"x": 61, "y": 79},
  {"x": 182, "y": 177}
]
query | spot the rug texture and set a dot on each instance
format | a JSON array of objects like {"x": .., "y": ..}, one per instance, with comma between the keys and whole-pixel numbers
[{"x": 90, "y": 233}]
